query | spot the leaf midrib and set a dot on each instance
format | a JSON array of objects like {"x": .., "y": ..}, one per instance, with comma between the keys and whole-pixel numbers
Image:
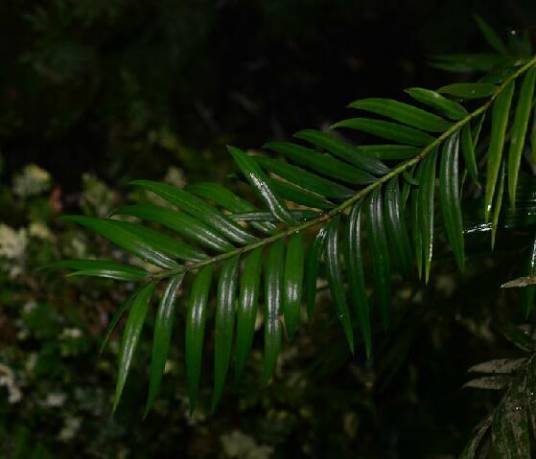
[{"x": 345, "y": 205}]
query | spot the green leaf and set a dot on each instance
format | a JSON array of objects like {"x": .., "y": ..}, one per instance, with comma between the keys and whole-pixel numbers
[
  {"x": 478, "y": 128},
  {"x": 468, "y": 150},
  {"x": 388, "y": 152},
  {"x": 179, "y": 222},
  {"x": 261, "y": 183},
  {"x": 163, "y": 328},
  {"x": 197, "y": 208},
  {"x": 449, "y": 108},
  {"x": 323, "y": 164},
  {"x": 343, "y": 150},
  {"x": 396, "y": 225},
  {"x": 101, "y": 268},
  {"x": 221, "y": 196},
  {"x": 449, "y": 196},
  {"x": 247, "y": 307},
  {"x": 131, "y": 335},
  {"x": 499, "y": 123},
  {"x": 224, "y": 325},
  {"x": 519, "y": 131},
  {"x": 228, "y": 200},
  {"x": 427, "y": 178},
  {"x": 379, "y": 251},
  {"x": 476, "y": 62},
  {"x": 147, "y": 244},
  {"x": 387, "y": 130},
  {"x": 293, "y": 283},
  {"x": 403, "y": 113},
  {"x": 291, "y": 192},
  {"x": 356, "y": 275},
  {"x": 312, "y": 266},
  {"x": 491, "y": 37},
  {"x": 273, "y": 292},
  {"x": 336, "y": 284},
  {"x": 298, "y": 215},
  {"x": 497, "y": 205},
  {"x": 417, "y": 230},
  {"x": 118, "y": 314},
  {"x": 305, "y": 179},
  {"x": 196, "y": 317},
  {"x": 469, "y": 90}
]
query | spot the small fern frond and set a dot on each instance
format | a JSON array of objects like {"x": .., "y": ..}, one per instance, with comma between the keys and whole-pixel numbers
[{"x": 321, "y": 200}]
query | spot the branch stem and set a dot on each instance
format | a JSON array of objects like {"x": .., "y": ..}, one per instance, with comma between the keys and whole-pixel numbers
[{"x": 346, "y": 205}]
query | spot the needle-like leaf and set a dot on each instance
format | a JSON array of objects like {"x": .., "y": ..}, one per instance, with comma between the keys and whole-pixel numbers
[
  {"x": 356, "y": 275},
  {"x": 519, "y": 131},
  {"x": 343, "y": 150},
  {"x": 469, "y": 90},
  {"x": 324, "y": 164},
  {"x": 499, "y": 123},
  {"x": 148, "y": 247},
  {"x": 131, "y": 335},
  {"x": 417, "y": 230},
  {"x": 449, "y": 195},
  {"x": 396, "y": 225},
  {"x": 224, "y": 325},
  {"x": 497, "y": 205},
  {"x": 247, "y": 307},
  {"x": 261, "y": 183},
  {"x": 116, "y": 317},
  {"x": 403, "y": 113},
  {"x": 179, "y": 222},
  {"x": 305, "y": 179},
  {"x": 332, "y": 254},
  {"x": 388, "y": 152},
  {"x": 312, "y": 266},
  {"x": 163, "y": 327},
  {"x": 101, "y": 268},
  {"x": 273, "y": 293},
  {"x": 449, "y": 108},
  {"x": 228, "y": 200},
  {"x": 427, "y": 178},
  {"x": 468, "y": 150},
  {"x": 387, "y": 130},
  {"x": 291, "y": 192},
  {"x": 196, "y": 317},
  {"x": 197, "y": 208},
  {"x": 379, "y": 251},
  {"x": 293, "y": 283}
]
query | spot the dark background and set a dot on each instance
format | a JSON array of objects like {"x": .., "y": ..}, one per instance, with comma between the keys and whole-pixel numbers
[
  {"x": 125, "y": 89},
  {"x": 95, "y": 85}
]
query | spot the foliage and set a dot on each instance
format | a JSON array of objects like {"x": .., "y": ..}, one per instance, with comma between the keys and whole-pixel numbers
[{"x": 252, "y": 242}]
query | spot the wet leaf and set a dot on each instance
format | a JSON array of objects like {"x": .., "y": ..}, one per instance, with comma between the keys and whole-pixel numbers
[
  {"x": 131, "y": 335},
  {"x": 332, "y": 254},
  {"x": 293, "y": 283},
  {"x": 224, "y": 325},
  {"x": 499, "y": 123},
  {"x": 247, "y": 307},
  {"x": 273, "y": 293},
  {"x": 163, "y": 328},
  {"x": 356, "y": 275},
  {"x": 449, "y": 195},
  {"x": 196, "y": 317}
]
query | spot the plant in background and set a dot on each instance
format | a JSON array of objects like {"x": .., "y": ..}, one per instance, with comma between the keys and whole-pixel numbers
[{"x": 337, "y": 206}]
